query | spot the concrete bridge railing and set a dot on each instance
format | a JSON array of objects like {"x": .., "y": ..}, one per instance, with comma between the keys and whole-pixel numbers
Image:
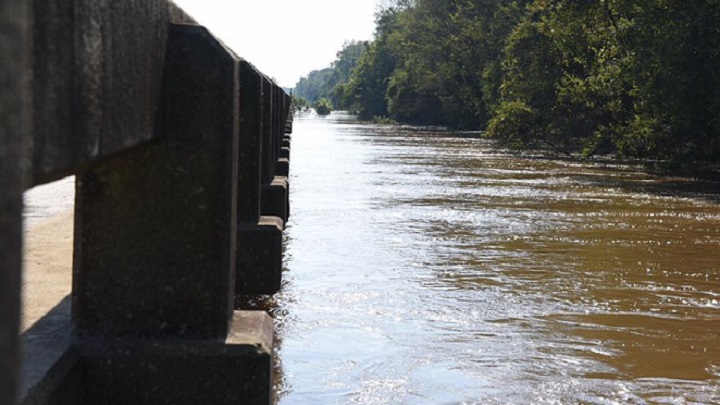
[{"x": 181, "y": 155}]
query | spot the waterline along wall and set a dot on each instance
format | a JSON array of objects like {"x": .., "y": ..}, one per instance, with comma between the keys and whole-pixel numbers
[{"x": 181, "y": 154}]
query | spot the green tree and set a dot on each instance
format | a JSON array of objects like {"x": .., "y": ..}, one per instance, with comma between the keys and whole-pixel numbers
[
  {"x": 299, "y": 104},
  {"x": 676, "y": 87},
  {"x": 323, "y": 106},
  {"x": 330, "y": 82},
  {"x": 592, "y": 76},
  {"x": 368, "y": 84},
  {"x": 450, "y": 63},
  {"x": 315, "y": 85},
  {"x": 435, "y": 62}
]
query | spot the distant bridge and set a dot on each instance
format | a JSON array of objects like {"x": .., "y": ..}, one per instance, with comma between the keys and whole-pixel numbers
[{"x": 180, "y": 150}]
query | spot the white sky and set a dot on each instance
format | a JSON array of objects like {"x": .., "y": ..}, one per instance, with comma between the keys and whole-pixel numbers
[{"x": 306, "y": 35}]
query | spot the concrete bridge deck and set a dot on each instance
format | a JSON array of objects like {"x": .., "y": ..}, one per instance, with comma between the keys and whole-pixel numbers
[{"x": 47, "y": 276}]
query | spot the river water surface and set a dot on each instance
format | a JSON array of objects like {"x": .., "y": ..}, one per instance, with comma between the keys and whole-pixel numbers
[{"x": 426, "y": 267}]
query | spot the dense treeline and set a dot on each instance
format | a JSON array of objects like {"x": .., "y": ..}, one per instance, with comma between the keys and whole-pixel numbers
[
  {"x": 592, "y": 76},
  {"x": 328, "y": 83}
]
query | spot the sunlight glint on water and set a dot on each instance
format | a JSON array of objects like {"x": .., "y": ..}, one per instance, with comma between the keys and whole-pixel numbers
[{"x": 425, "y": 267}]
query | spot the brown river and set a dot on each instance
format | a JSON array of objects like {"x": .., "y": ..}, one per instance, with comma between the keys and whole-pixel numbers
[{"x": 428, "y": 267}]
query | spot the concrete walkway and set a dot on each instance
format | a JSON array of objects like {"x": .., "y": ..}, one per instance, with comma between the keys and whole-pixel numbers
[{"x": 47, "y": 277}]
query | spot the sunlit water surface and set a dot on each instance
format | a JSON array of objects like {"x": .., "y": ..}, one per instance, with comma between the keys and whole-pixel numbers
[{"x": 427, "y": 267}]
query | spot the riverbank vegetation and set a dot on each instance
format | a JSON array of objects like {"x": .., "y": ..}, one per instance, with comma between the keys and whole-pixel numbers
[
  {"x": 329, "y": 83},
  {"x": 636, "y": 79},
  {"x": 299, "y": 104},
  {"x": 323, "y": 107}
]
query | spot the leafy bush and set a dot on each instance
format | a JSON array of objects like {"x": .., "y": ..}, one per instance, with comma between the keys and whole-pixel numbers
[{"x": 323, "y": 106}]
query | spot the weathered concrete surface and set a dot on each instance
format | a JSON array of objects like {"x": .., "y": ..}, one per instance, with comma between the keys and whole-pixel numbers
[
  {"x": 259, "y": 239},
  {"x": 15, "y": 130},
  {"x": 155, "y": 228},
  {"x": 147, "y": 113},
  {"x": 282, "y": 167},
  {"x": 259, "y": 266},
  {"x": 268, "y": 152},
  {"x": 284, "y": 153},
  {"x": 50, "y": 375},
  {"x": 275, "y": 170},
  {"x": 99, "y": 70},
  {"x": 250, "y": 144},
  {"x": 235, "y": 371},
  {"x": 56, "y": 373},
  {"x": 275, "y": 198},
  {"x": 287, "y": 125},
  {"x": 278, "y": 120}
]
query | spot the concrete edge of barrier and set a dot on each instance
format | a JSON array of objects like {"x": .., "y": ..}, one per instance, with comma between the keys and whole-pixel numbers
[
  {"x": 16, "y": 125},
  {"x": 259, "y": 263},
  {"x": 180, "y": 191},
  {"x": 235, "y": 370},
  {"x": 50, "y": 359},
  {"x": 282, "y": 167},
  {"x": 275, "y": 198}
]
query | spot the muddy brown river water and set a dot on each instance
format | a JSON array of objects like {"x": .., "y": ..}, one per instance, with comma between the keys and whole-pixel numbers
[{"x": 428, "y": 267}]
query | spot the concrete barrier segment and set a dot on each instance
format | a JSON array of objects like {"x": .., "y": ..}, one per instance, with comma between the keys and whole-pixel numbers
[
  {"x": 15, "y": 165},
  {"x": 284, "y": 153},
  {"x": 282, "y": 167},
  {"x": 259, "y": 267},
  {"x": 235, "y": 370},
  {"x": 275, "y": 198},
  {"x": 155, "y": 227},
  {"x": 259, "y": 239}
]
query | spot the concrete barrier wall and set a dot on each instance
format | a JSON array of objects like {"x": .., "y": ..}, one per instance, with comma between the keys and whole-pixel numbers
[
  {"x": 15, "y": 131},
  {"x": 175, "y": 142}
]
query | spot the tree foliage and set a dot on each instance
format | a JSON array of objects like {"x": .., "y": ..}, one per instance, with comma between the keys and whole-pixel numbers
[
  {"x": 299, "y": 104},
  {"x": 329, "y": 83},
  {"x": 323, "y": 106},
  {"x": 592, "y": 76}
]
